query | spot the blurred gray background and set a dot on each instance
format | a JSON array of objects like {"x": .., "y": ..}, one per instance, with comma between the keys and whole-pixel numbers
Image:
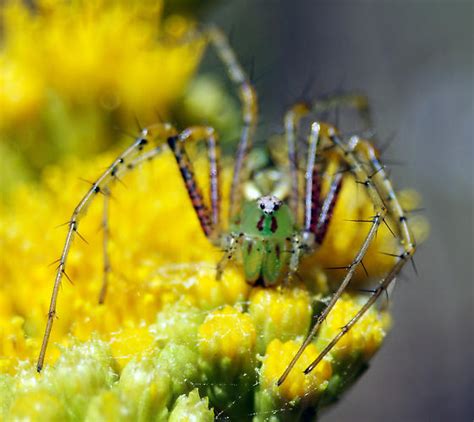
[{"x": 415, "y": 61}]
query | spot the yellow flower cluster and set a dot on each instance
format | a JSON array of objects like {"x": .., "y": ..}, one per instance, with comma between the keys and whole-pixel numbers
[
  {"x": 283, "y": 313},
  {"x": 71, "y": 70},
  {"x": 171, "y": 342},
  {"x": 227, "y": 334},
  {"x": 365, "y": 337},
  {"x": 298, "y": 385},
  {"x": 150, "y": 207},
  {"x": 163, "y": 294}
]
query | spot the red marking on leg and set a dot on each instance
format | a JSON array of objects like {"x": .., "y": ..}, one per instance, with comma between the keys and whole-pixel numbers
[
  {"x": 327, "y": 209},
  {"x": 315, "y": 209},
  {"x": 194, "y": 193}
]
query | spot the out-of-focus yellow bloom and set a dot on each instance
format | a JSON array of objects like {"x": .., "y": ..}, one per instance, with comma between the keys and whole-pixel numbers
[
  {"x": 13, "y": 341},
  {"x": 115, "y": 55},
  {"x": 72, "y": 70},
  {"x": 208, "y": 100}
]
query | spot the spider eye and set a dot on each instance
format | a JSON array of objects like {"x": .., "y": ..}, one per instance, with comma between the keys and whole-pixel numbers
[{"x": 262, "y": 206}]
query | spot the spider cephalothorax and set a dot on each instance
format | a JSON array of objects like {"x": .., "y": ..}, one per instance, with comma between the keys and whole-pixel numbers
[{"x": 271, "y": 232}]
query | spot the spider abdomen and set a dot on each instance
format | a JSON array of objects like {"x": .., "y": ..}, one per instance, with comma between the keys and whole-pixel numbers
[
  {"x": 266, "y": 259},
  {"x": 267, "y": 226}
]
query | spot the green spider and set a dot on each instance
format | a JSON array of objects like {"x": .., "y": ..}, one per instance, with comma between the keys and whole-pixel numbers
[{"x": 271, "y": 233}]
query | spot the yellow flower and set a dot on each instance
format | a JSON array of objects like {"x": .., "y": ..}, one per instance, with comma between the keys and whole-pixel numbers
[
  {"x": 297, "y": 386},
  {"x": 228, "y": 337},
  {"x": 364, "y": 339},
  {"x": 13, "y": 342},
  {"x": 167, "y": 326},
  {"x": 72, "y": 70},
  {"x": 46, "y": 406},
  {"x": 171, "y": 342},
  {"x": 131, "y": 342},
  {"x": 283, "y": 313}
]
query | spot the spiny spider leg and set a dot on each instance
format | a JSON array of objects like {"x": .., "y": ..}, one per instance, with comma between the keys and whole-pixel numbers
[
  {"x": 209, "y": 220},
  {"x": 316, "y": 216},
  {"x": 234, "y": 241},
  {"x": 118, "y": 167},
  {"x": 248, "y": 97},
  {"x": 380, "y": 212},
  {"x": 383, "y": 286},
  {"x": 292, "y": 121},
  {"x": 382, "y": 185}
]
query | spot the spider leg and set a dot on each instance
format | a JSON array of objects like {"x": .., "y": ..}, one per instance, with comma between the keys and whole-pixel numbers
[
  {"x": 383, "y": 185},
  {"x": 209, "y": 219},
  {"x": 380, "y": 212},
  {"x": 248, "y": 97},
  {"x": 351, "y": 269},
  {"x": 134, "y": 163},
  {"x": 317, "y": 215},
  {"x": 118, "y": 167},
  {"x": 375, "y": 294},
  {"x": 233, "y": 242},
  {"x": 298, "y": 248},
  {"x": 379, "y": 180},
  {"x": 312, "y": 200},
  {"x": 292, "y": 120}
]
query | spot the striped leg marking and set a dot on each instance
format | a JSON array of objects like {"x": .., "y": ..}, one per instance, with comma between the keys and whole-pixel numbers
[{"x": 209, "y": 219}]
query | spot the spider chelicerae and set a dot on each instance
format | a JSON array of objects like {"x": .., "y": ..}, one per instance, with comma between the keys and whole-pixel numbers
[{"x": 269, "y": 234}]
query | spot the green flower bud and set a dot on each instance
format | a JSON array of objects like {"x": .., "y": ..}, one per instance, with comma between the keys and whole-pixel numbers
[
  {"x": 227, "y": 359},
  {"x": 181, "y": 363},
  {"x": 191, "y": 408},
  {"x": 146, "y": 389},
  {"x": 81, "y": 372},
  {"x": 37, "y": 405},
  {"x": 282, "y": 314},
  {"x": 177, "y": 323},
  {"x": 110, "y": 405}
]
